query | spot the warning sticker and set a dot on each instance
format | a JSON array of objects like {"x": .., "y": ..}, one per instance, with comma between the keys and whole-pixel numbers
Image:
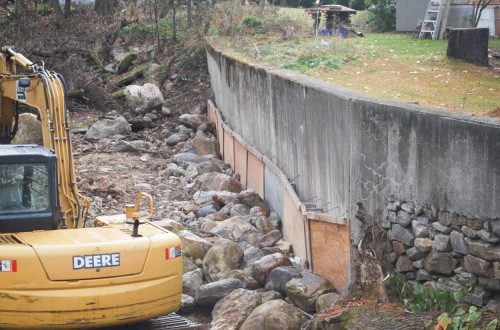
[
  {"x": 8, "y": 266},
  {"x": 173, "y": 252},
  {"x": 21, "y": 92}
]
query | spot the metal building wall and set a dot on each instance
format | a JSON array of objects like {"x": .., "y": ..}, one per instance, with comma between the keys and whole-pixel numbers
[{"x": 408, "y": 12}]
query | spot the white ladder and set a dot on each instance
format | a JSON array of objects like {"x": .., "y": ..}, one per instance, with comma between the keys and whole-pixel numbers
[{"x": 432, "y": 19}]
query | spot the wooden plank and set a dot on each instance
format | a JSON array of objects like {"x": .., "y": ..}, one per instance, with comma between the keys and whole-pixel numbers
[
  {"x": 294, "y": 230},
  {"x": 240, "y": 162},
  {"x": 255, "y": 174},
  {"x": 330, "y": 246},
  {"x": 228, "y": 148},
  {"x": 326, "y": 218}
]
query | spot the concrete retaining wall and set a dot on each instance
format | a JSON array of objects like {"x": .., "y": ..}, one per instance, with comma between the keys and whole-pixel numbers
[
  {"x": 302, "y": 227},
  {"x": 341, "y": 148}
]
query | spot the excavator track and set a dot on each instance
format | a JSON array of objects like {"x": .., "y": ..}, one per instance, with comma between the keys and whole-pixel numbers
[{"x": 170, "y": 321}]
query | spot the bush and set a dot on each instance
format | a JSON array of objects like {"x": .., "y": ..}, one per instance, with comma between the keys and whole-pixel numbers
[
  {"x": 252, "y": 22},
  {"x": 384, "y": 16}
]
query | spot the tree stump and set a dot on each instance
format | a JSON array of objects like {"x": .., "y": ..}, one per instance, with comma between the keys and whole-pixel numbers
[{"x": 470, "y": 44}]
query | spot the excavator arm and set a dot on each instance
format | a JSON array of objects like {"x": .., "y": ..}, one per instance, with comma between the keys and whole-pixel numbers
[{"x": 44, "y": 91}]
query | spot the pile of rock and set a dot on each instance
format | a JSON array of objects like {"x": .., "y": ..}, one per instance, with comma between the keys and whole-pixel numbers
[
  {"x": 448, "y": 251},
  {"x": 235, "y": 260}
]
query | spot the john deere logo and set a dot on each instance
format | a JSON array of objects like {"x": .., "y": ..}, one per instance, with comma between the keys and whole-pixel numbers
[{"x": 96, "y": 261}]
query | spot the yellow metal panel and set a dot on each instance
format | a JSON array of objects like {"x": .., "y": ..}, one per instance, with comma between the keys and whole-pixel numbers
[{"x": 29, "y": 300}]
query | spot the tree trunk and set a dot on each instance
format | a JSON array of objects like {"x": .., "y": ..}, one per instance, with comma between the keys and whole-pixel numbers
[
  {"x": 67, "y": 8},
  {"x": 57, "y": 9},
  {"x": 469, "y": 44},
  {"x": 190, "y": 12},
  {"x": 174, "y": 22},
  {"x": 444, "y": 19}
]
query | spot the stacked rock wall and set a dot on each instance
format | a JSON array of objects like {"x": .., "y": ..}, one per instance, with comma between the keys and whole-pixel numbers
[{"x": 444, "y": 249}]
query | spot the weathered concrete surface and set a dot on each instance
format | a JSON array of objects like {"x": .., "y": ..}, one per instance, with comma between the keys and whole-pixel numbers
[{"x": 344, "y": 147}]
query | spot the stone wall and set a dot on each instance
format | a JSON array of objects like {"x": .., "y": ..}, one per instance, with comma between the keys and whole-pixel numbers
[{"x": 443, "y": 249}]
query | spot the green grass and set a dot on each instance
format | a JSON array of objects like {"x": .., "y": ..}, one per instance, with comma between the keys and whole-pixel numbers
[{"x": 386, "y": 65}]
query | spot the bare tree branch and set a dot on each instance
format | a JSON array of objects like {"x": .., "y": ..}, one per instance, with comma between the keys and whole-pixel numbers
[{"x": 477, "y": 11}]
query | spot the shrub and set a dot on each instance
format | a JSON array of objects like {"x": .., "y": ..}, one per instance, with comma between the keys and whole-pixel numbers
[
  {"x": 252, "y": 22},
  {"x": 384, "y": 16}
]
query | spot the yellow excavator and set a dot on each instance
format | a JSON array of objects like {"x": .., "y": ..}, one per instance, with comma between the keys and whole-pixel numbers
[{"x": 56, "y": 270}]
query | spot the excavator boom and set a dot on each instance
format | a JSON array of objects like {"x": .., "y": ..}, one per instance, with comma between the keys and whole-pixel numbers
[{"x": 45, "y": 92}]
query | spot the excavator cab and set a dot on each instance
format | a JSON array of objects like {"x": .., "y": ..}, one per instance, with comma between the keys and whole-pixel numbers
[{"x": 28, "y": 189}]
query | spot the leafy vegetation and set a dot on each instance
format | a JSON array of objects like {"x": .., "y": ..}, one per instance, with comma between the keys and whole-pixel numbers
[
  {"x": 311, "y": 62},
  {"x": 456, "y": 315},
  {"x": 464, "y": 319},
  {"x": 384, "y": 16}
]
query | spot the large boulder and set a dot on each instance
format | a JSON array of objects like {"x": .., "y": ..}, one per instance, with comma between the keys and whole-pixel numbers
[
  {"x": 231, "y": 311},
  {"x": 29, "y": 130},
  {"x": 270, "y": 238},
  {"x": 274, "y": 315},
  {"x": 251, "y": 255},
  {"x": 140, "y": 122},
  {"x": 224, "y": 255},
  {"x": 187, "y": 303},
  {"x": 170, "y": 224},
  {"x": 304, "y": 291},
  {"x": 237, "y": 230},
  {"x": 108, "y": 128},
  {"x": 143, "y": 99},
  {"x": 194, "y": 169},
  {"x": 193, "y": 245},
  {"x": 207, "y": 210},
  {"x": 245, "y": 276},
  {"x": 267, "y": 224},
  {"x": 186, "y": 158},
  {"x": 193, "y": 121},
  {"x": 202, "y": 197},
  {"x": 176, "y": 138},
  {"x": 133, "y": 146},
  {"x": 326, "y": 301},
  {"x": 218, "y": 182},
  {"x": 202, "y": 145},
  {"x": 279, "y": 276},
  {"x": 209, "y": 294},
  {"x": 261, "y": 268},
  {"x": 191, "y": 281},
  {"x": 250, "y": 198}
]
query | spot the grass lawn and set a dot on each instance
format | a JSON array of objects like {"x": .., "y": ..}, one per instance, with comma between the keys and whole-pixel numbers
[{"x": 390, "y": 66}]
